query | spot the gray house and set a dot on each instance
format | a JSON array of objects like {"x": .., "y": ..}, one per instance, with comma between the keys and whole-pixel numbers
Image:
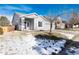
[{"x": 31, "y": 21}]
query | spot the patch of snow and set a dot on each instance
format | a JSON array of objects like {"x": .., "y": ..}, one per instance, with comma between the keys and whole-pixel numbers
[
  {"x": 69, "y": 36},
  {"x": 29, "y": 45},
  {"x": 73, "y": 51}
]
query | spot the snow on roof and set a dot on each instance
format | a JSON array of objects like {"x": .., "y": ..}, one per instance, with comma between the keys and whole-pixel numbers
[
  {"x": 31, "y": 15},
  {"x": 44, "y": 18}
]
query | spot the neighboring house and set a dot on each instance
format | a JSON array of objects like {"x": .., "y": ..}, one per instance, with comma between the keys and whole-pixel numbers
[
  {"x": 68, "y": 25},
  {"x": 76, "y": 25},
  {"x": 59, "y": 24},
  {"x": 31, "y": 21}
]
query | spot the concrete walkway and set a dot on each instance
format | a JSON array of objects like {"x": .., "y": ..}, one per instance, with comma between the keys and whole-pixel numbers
[{"x": 69, "y": 34}]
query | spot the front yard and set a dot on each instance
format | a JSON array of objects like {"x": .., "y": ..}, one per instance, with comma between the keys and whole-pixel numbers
[{"x": 35, "y": 43}]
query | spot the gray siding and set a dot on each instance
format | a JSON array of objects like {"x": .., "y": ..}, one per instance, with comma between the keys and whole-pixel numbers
[
  {"x": 45, "y": 24},
  {"x": 33, "y": 22}
]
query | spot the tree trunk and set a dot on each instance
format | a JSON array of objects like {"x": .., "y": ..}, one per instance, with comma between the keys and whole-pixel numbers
[{"x": 50, "y": 28}]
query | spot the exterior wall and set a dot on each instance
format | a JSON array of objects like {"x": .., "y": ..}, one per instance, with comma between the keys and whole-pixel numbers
[
  {"x": 32, "y": 24},
  {"x": 62, "y": 26},
  {"x": 45, "y": 24},
  {"x": 17, "y": 20},
  {"x": 23, "y": 26},
  {"x": 75, "y": 26},
  {"x": 53, "y": 26},
  {"x": 59, "y": 24}
]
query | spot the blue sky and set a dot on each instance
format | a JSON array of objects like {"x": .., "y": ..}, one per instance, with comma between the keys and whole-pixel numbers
[{"x": 42, "y": 9}]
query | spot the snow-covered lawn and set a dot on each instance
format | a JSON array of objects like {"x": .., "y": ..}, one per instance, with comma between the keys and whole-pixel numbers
[
  {"x": 23, "y": 43},
  {"x": 27, "y": 44},
  {"x": 73, "y": 51},
  {"x": 69, "y": 36}
]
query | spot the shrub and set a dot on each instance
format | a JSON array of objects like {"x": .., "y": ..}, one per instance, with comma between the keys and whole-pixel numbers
[
  {"x": 4, "y": 21},
  {"x": 1, "y": 31},
  {"x": 54, "y": 36}
]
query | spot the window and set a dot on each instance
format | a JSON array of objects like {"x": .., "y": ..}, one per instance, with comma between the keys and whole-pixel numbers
[{"x": 39, "y": 24}]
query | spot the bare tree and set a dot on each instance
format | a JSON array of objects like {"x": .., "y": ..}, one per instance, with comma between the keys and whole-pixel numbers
[
  {"x": 74, "y": 18},
  {"x": 51, "y": 18},
  {"x": 4, "y": 21}
]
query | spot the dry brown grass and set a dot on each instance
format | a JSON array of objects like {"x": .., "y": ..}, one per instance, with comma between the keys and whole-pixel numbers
[
  {"x": 53, "y": 35},
  {"x": 76, "y": 38}
]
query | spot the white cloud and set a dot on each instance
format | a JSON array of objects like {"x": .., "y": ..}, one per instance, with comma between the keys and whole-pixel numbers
[
  {"x": 25, "y": 8},
  {"x": 10, "y": 9}
]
